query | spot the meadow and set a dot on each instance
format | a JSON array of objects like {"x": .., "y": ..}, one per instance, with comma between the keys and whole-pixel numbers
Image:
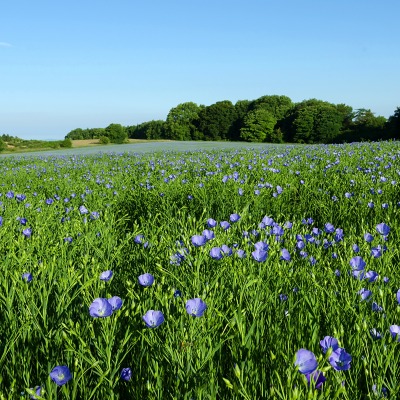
[{"x": 231, "y": 272}]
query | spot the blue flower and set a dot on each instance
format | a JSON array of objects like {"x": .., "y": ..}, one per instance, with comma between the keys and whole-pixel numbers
[
  {"x": 329, "y": 342},
  {"x": 27, "y": 277},
  {"x": 116, "y": 303},
  {"x": 196, "y": 307},
  {"x": 60, "y": 375},
  {"x": 146, "y": 279},
  {"x": 225, "y": 225},
  {"x": 216, "y": 253},
  {"x": 234, "y": 217},
  {"x": 306, "y": 361},
  {"x": 395, "y": 332},
  {"x": 106, "y": 275},
  {"x": 199, "y": 240},
  {"x": 340, "y": 359},
  {"x": 153, "y": 319},
  {"x": 318, "y": 378},
  {"x": 383, "y": 229},
  {"x": 126, "y": 374},
  {"x": 259, "y": 255},
  {"x": 100, "y": 308},
  {"x": 211, "y": 223},
  {"x": 364, "y": 293}
]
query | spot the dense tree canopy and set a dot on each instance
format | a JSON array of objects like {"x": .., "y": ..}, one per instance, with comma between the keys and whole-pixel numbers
[{"x": 270, "y": 118}]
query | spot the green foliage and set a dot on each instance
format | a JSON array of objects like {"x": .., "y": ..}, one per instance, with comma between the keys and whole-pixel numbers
[
  {"x": 216, "y": 121},
  {"x": 116, "y": 133},
  {"x": 244, "y": 345},
  {"x": 66, "y": 143},
  {"x": 258, "y": 126},
  {"x": 181, "y": 121},
  {"x": 104, "y": 139},
  {"x": 3, "y": 145}
]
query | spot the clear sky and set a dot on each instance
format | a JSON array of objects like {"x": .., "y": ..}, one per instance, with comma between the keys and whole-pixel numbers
[{"x": 89, "y": 63}]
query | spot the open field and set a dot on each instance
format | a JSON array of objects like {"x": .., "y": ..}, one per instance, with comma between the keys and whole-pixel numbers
[
  {"x": 96, "y": 142},
  {"x": 244, "y": 272}
]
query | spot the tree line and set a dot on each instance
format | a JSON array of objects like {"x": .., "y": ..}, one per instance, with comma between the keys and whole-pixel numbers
[{"x": 270, "y": 118}]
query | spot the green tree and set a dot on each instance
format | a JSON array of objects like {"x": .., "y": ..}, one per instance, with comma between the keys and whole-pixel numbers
[
  {"x": 116, "y": 133},
  {"x": 216, "y": 121},
  {"x": 181, "y": 121},
  {"x": 3, "y": 145},
  {"x": 276, "y": 105},
  {"x": 393, "y": 125},
  {"x": 75, "y": 134},
  {"x": 241, "y": 109},
  {"x": 258, "y": 126}
]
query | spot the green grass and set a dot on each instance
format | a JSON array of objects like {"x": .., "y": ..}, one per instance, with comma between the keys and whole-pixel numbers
[{"x": 245, "y": 344}]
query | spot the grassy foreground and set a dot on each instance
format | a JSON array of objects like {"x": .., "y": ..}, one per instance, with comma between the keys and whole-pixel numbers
[{"x": 281, "y": 269}]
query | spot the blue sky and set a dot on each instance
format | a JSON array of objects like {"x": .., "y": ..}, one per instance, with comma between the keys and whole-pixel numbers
[{"x": 71, "y": 64}]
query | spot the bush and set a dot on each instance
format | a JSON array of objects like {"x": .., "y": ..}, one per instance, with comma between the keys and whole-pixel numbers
[
  {"x": 66, "y": 143},
  {"x": 104, "y": 140}
]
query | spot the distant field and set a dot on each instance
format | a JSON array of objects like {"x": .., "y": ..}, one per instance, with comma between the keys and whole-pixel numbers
[{"x": 96, "y": 142}]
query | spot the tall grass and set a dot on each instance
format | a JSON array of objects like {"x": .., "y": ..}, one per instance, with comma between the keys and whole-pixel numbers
[{"x": 259, "y": 314}]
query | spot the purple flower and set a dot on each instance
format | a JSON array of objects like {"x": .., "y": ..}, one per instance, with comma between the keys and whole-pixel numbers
[
  {"x": 375, "y": 334},
  {"x": 116, "y": 303},
  {"x": 395, "y": 332},
  {"x": 23, "y": 221},
  {"x": 216, "y": 253},
  {"x": 364, "y": 293},
  {"x": 153, "y": 319},
  {"x": 283, "y": 297},
  {"x": 60, "y": 375},
  {"x": 300, "y": 245},
  {"x": 329, "y": 228},
  {"x": 38, "y": 392},
  {"x": 357, "y": 263},
  {"x": 226, "y": 250},
  {"x": 139, "y": 239},
  {"x": 211, "y": 223},
  {"x": 199, "y": 240},
  {"x": 27, "y": 277},
  {"x": 126, "y": 374},
  {"x": 27, "y": 232},
  {"x": 225, "y": 225},
  {"x": 261, "y": 246},
  {"x": 398, "y": 296},
  {"x": 372, "y": 276},
  {"x": 94, "y": 215},
  {"x": 208, "y": 234},
  {"x": 106, "y": 275},
  {"x": 382, "y": 229},
  {"x": 376, "y": 307},
  {"x": 285, "y": 255},
  {"x": 329, "y": 342},
  {"x": 49, "y": 201},
  {"x": 356, "y": 249},
  {"x": 259, "y": 255},
  {"x": 318, "y": 378},
  {"x": 146, "y": 279},
  {"x": 376, "y": 252},
  {"x": 340, "y": 359},
  {"x": 100, "y": 308},
  {"x": 306, "y": 361},
  {"x": 68, "y": 239},
  {"x": 241, "y": 253},
  {"x": 267, "y": 221},
  {"x": 234, "y": 217},
  {"x": 196, "y": 307},
  {"x": 368, "y": 237},
  {"x": 83, "y": 210}
]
